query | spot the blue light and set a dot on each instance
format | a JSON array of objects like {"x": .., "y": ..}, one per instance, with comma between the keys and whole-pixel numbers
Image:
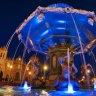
[
  {"x": 70, "y": 88},
  {"x": 44, "y": 33},
  {"x": 40, "y": 18},
  {"x": 60, "y": 28},
  {"x": 95, "y": 85},
  {"x": 61, "y": 21},
  {"x": 37, "y": 20},
  {"x": 26, "y": 86}
]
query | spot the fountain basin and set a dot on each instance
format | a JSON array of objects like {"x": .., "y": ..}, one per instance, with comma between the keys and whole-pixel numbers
[{"x": 37, "y": 92}]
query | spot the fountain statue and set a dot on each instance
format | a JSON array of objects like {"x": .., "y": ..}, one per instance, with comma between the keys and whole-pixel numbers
[
  {"x": 68, "y": 81},
  {"x": 55, "y": 29}
]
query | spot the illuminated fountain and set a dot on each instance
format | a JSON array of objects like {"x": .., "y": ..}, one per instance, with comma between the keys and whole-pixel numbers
[
  {"x": 56, "y": 29},
  {"x": 25, "y": 86},
  {"x": 49, "y": 34},
  {"x": 95, "y": 85},
  {"x": 70, "y": 87}
]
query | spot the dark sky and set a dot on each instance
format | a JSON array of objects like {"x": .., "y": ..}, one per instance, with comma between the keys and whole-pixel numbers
[{"x": 13, "y": 12}]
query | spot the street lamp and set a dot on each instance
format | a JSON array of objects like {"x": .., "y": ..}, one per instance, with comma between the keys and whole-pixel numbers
[
  {"x": 19, "y": 59},
  {"x": 45, "y": 67},
  {"x": 88, "y": 76},
  {"x": 11, "y": 66},
  {"x": 10, "y": 70},
  {"x": 29, "y": 73},
  {"x": 27, "y": 68}
]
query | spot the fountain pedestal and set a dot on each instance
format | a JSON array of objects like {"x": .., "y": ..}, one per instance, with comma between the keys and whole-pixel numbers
[{"x": 63, "y": 85}]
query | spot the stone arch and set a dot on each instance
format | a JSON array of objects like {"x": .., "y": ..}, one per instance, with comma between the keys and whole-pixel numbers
[
  {"x": 7, "y": 77},
  {"x": 17, "y": 76}
]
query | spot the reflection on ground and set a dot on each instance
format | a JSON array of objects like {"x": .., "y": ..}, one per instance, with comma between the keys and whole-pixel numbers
[{"x": 10, "y": 91}]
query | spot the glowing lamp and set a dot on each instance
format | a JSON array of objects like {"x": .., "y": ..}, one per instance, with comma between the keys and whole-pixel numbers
[
  {"x": 11, "y": 66},
  {"x": 45, "y": 67},
  {"x": 29, "y": 73},
  {"x": 88, "y": 71},
  {"x": 19, "y": 59}
]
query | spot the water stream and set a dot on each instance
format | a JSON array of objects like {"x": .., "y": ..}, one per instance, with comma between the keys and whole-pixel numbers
[
  {"x": 70, "y": 87},
  {"x": 81, "y": 46}
]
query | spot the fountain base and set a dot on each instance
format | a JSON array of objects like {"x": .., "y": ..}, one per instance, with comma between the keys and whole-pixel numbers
[{"x": 63, "y": 86}]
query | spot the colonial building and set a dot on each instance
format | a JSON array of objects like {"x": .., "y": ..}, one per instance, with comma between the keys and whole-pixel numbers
[{"x": 15, "y": 69}]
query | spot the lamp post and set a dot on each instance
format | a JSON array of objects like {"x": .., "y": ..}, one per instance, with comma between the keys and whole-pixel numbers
[
  {"x": 29, "y": 73},
  {"x": 88, "y": 76},
  {"x": 45, "y": 68},
  {"x": 10, "y": 70}
]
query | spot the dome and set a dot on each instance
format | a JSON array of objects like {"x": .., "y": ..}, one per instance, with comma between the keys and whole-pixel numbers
[
  {"x": 61, "y": 5},
  {"x": 55, "y": 25}
]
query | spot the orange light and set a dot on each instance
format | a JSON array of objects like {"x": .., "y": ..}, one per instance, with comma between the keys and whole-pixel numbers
[
  {"x": 27, "y": 68},
  {"x": 42, "y": 77},
  {"x": 88, "y": 71},
  {"x": 29, "y": 73},
  {"x": 11, "y": 66},
  {"x": 83, "y": 77},
  {"x": 19, "y": 59},
  {"x": 45, "y": 67}
]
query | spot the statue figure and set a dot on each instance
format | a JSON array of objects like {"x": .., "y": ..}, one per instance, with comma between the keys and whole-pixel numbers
[
  {"x": 62, "y": 80},
  {"x": 72, "y": 68}
]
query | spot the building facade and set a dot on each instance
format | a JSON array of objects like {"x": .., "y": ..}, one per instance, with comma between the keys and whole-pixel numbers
[{"x": 14, "y": 69}]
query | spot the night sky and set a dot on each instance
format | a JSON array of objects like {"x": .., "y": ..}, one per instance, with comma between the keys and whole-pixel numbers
[{"x": 13, "y": 13}]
